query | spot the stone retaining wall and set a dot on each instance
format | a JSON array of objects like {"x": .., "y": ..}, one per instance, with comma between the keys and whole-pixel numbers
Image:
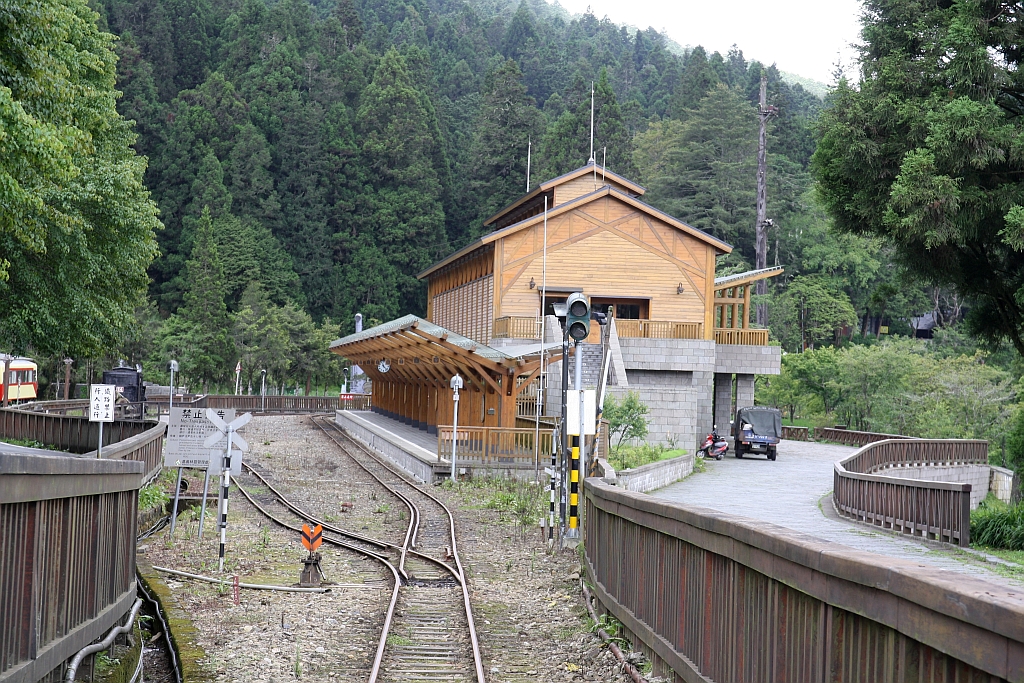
[
  {"x": 1004, "y": 484},
  {"x": 405, "y": 454}
]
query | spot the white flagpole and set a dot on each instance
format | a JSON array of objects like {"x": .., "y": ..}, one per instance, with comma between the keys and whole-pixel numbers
[{"x": 529, "y": 150}]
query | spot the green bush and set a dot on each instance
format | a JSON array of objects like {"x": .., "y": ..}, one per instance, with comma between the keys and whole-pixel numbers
[
  {"x": 152, "y": 496},
  {"x": 998, "y": 525},
  {"x": 628, "y": 457}
]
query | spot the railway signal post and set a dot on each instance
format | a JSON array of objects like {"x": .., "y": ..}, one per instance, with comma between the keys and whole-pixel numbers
[
  {"x": 229, "y": 432},
  {"x": 311, "y": 540}
]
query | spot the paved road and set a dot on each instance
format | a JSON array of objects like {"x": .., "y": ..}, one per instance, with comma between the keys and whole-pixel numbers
[{"x": 788, "y": 492}]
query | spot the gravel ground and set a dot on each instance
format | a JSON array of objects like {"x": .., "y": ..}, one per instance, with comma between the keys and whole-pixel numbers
[{"x": 529, "y": 613}]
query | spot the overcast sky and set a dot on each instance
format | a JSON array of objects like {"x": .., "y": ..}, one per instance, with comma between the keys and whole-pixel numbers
[{"x": 800, "y": 36}]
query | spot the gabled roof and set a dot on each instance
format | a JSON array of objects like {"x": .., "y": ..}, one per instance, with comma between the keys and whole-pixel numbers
[
  {"x": 605, "y": 191},
  {"x": 747, "y": 277},
  {"x": 571, "y": 175}
]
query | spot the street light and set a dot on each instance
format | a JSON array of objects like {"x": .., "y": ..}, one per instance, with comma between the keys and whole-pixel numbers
[
  {"x": 263, "y": 391},
  {"x": 173, "y": 367},
  {"x": 456, "y": 384}
]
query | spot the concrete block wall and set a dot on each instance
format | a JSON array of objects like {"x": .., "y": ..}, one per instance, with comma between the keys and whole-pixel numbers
[
  {"x": 744, "y": 391},
  {"x": 667, "y": 354},
  {"x": 977, "y": 476},
  {"x": 655, "y": 475},
  {"x": 1005, "y": 485},
  {"x": 748, "y": 359},
  {"x": 673, "y": 413}
]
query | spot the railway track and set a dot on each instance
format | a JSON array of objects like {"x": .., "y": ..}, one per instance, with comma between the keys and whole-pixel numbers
[{"x": 428, "y": 632}]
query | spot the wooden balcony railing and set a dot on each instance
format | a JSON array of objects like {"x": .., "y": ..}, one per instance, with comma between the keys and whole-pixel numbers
[
  {"x": 741, "y": 336},
  {"x": 658, "y": 329},
  {"x": 516, "y": 327},
  {"x": 495, "y": 446}
]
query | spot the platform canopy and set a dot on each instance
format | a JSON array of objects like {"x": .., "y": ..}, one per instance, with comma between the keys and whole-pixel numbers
[{"x": 411, "y": 360}]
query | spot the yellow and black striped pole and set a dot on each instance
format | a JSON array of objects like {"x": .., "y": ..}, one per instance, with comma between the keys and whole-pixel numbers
[{"x": 574, "y": 485}]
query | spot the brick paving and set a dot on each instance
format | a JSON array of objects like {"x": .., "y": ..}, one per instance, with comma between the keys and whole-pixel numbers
[{"x": 789, "y": 491}]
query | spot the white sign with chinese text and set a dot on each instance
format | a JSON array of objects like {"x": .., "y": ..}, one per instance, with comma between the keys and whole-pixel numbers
[
  {"x": 102, "y": 398},
  {"x": 187, "y": 430}
]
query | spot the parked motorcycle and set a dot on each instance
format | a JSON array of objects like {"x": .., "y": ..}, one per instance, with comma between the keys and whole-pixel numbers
[{"x": 714, "y": 446}]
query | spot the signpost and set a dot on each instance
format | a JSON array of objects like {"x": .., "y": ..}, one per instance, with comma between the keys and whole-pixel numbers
[
  {"x": 187, "y": 430},
  {"x": 101, "y": 408},
  {"x": 227, "y": 431}
]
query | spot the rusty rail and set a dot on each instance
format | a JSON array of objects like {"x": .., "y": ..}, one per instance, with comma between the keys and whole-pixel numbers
[
  {"x": 931, "y": 509},
  {"x": 719, "y": 597},
  {"x": 67, "y": 557}
]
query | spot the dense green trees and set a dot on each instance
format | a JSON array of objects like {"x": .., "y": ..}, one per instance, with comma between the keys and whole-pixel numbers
[
  {"x": 76, "y": 223},
  {"x": 924, "y": 150}
]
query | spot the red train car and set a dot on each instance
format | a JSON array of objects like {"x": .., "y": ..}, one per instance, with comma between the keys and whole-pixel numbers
[{"x": 22, "y": 378}]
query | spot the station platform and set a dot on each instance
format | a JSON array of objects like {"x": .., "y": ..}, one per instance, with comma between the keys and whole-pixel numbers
[{"x": 412, "y": 449}]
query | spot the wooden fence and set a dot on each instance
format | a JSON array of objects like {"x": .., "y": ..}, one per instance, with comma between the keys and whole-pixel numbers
[
  {"x": 931, "y": 509},
  {"x": 716, "y": 597},
  {"x": 496, "y": 446},
  {"x": 851, "y": 437},
  {"x": 122, "y": 439},
  {"x": 270, "y": 404},
  {"x": 516, "y": 327},
  {"x": 741, "y": 336},
  {"x": 658, "y": 329},
  {"x": 794, "y": 433},
  {"x": 67, "y": 557}
]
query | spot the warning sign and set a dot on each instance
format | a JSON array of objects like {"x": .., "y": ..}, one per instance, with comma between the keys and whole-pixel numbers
[
  {"x": 187, "y": 429},
  {"x": 311, "y": 539}
]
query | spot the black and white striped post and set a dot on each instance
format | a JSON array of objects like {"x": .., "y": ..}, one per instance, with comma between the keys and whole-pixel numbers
[{"x": 229, "y": 432}]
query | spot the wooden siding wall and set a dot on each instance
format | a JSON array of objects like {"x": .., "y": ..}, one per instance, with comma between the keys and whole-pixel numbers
[
  {"x": 568, "y": 191},
  {"x": 459, "y": 295},
  {"x": 610, "y": 250},
  {"x": 428, "y": 404},
  {"x": 467, "y": 309}
]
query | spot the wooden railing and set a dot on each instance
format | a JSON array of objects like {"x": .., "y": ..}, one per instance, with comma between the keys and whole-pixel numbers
[
  {"x": 741, "y": 336},
  {"x": 67, "y": 539},
  {"x": 286, "y": 404},
  {"x": 516, "y": 327},
  {"x": 658, "y": 329},
  {"x": 717, "y": 597},
  {"x": 495, "y": 446},
  {"x": 794, "y": 433},
  {"x": 269, "y": 404},
  {"x": 851, "y": 437},
  {"x": 122, "y": 439},
  {"x": 931, "y": 509}
]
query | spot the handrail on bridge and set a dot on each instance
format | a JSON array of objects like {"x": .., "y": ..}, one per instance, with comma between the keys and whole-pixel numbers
[
  {"x": 720, "y": 597},
  {"x": 932, "y": 509}
]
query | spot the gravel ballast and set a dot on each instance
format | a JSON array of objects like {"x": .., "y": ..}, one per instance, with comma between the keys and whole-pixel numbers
[{"x": 529, "y": 613}]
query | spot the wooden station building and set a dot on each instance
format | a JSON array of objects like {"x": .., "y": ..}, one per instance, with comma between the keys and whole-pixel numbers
[{"x": 679, "y": 336}]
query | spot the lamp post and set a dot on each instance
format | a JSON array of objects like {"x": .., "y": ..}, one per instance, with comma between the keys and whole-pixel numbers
[
  {"x": 173, "y": 367},
  {"x": 263, "y": 391},
  {"x": 238, "y": 377},
  {"x": 456, "y": 384}
]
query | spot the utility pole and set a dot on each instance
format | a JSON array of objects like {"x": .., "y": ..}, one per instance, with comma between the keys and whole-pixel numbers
[{"x": 764, "y": 112}]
